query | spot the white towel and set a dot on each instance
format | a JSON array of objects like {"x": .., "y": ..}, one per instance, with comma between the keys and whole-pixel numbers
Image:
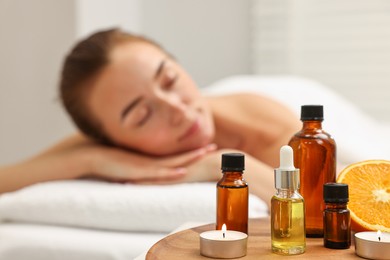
[{"x": 124, "y": 207}]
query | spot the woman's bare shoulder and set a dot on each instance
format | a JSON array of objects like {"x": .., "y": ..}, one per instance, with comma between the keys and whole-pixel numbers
[
  {"x": 261, "y": 120},
  {"x": 236, "y": 98},
  {"x": 251, "y": 103}
]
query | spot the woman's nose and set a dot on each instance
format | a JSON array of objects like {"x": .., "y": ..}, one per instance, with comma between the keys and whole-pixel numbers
[
  {"x": 176, "y": 110},
  {"x": 177, "y": 113}
]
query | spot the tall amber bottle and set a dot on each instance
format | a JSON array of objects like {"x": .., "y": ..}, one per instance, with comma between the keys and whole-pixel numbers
[
  {"x": 315, "y": 155},
  {"x": 232, "y": 194}
]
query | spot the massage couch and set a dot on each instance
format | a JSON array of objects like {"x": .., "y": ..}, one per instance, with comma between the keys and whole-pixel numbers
[{"x": 89, "y": 219}]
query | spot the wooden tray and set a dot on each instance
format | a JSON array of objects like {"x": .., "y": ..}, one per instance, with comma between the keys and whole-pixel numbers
[{"x": 184, "y": 245}]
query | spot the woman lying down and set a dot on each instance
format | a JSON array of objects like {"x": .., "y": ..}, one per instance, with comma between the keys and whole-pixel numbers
[{"x": 142, "y": 119}]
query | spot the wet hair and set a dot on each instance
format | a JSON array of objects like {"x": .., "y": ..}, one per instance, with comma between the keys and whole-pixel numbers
[{"x": 85, "y": 60}]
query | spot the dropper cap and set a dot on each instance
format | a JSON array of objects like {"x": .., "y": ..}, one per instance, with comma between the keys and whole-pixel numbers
[{"x": 286, "y": 176}]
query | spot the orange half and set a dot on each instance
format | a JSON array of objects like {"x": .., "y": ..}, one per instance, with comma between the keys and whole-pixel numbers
[{"x": 369, "y": 194}]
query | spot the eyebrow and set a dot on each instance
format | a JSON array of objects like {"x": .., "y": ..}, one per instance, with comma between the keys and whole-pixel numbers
[{"x": 160, "y": 69}]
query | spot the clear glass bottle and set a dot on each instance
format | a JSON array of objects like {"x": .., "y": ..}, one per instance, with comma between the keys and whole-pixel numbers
[
  {"x": 287, "y": 208},
  {"x": 337, "y": 220},
  {"x": 232, "y": 194},
  {"x": 315, "y": 156}
]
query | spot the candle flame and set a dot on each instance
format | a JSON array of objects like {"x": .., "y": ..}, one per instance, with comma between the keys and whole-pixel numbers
[
  {"x": 223, "y": 230},
  {"x": 379, "y": 233}
]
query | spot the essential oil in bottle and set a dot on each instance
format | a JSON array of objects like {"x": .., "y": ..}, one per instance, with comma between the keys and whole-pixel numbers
[
  {"x": 232, "y": 194},
  {"x": 315, "y": 156},
  {"x": 337, "y": 220},
  {"x": 287, "y": 208}
]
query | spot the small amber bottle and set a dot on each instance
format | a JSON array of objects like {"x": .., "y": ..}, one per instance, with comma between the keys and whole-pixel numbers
[
  {"x": 232, "y": 194},
  {"x": 337, "y": 221},
  {"x": 315, "y": 155}
]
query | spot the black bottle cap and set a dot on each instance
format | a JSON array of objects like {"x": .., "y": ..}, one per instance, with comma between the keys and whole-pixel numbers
[
  {"x": 312, "y": 112},
  {"x": 336, "y": 192},
  {"x": 233, "y": 162}
]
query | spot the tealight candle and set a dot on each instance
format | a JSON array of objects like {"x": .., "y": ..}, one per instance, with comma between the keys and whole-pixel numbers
[
  {"x": 223, "y": 243},
  {"x": 373, "y": 245}
]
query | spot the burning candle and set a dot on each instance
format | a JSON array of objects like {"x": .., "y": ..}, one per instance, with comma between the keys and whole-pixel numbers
[
  {"x": 223, "y": 243},
  {"x": 373, "y": 245}
]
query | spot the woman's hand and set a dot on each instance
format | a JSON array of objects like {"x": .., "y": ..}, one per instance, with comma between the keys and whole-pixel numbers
[
  {"x": 121, "y": 165},
  {"x": 206, "y": 168}
]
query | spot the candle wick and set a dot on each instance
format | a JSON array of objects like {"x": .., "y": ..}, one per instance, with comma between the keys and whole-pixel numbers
[
  {"x": 223, "y": 234},
  {"x": 379, "y": 238}
]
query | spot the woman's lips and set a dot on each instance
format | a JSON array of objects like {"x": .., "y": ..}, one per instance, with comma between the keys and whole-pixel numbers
[{"x": 190, "y": 131}]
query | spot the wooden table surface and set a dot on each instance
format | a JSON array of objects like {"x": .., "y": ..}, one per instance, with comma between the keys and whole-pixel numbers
[{"x": 184, "y": 245}]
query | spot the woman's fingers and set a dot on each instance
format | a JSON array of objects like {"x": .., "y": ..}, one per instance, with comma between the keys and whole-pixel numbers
[
  {"x": 187, "y": 157},
  {"x": 125, "y": 166}
]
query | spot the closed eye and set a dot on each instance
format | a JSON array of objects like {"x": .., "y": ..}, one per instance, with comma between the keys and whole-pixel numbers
[
  {"x": 169, "y": 76},
  {"x": 146, "y": 114},
  {"x": 170, "y": 81}
]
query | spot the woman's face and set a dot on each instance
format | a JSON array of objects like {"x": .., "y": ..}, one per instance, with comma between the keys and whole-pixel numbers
[{"x": 147, "y": 102}]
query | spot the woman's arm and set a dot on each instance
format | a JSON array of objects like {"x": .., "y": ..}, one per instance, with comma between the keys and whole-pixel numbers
[
  {"x": 63, "y": 161},
  {"x": 78, "y": 157}
]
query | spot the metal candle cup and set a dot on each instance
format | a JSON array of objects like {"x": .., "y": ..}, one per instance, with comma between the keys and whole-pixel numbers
[
  {"x": 373, "y": 245},
  {"x": 223, "y": 244}
]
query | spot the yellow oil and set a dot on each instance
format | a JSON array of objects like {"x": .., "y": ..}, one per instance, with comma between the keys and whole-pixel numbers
[{"x": 288, "y": 225}]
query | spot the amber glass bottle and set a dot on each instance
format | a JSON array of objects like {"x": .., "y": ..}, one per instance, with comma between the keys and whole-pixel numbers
[
  {"x": 315, "y": 155},
  {"x": 337, "y": 220},
  {"x": 232, "y": 194}
]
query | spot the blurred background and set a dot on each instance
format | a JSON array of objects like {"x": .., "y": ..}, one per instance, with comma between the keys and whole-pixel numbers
[{"x": 343, "y": 44}]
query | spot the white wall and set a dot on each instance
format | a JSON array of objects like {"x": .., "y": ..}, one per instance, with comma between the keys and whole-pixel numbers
[
  {"x": 211, "y": 39},
  {"x": 34, "y": 37},
  {"x": 344, "y": 44},
  {"x": 93, "y": 15}
]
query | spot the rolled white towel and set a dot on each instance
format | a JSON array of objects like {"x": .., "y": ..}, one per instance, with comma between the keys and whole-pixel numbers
[{"x": 113, "y": 206}]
